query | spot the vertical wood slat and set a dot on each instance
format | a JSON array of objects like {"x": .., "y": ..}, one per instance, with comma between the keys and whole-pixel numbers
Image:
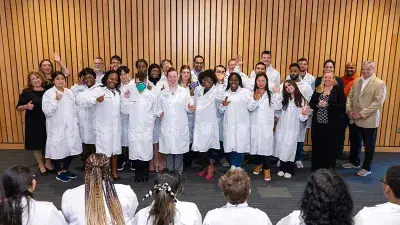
[{"x": 347, "y": 30}]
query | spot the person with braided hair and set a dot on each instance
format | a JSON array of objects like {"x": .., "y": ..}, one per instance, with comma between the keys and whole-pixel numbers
[
  {"x": 17, "y": 204},
  {"x": 166, "y": 209},
  {"x": 99, "y": 201}
]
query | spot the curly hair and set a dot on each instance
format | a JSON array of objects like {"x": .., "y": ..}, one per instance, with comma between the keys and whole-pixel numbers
[
  {"x": 235, "y": 185},
  {"x": 326, "y": 200}
]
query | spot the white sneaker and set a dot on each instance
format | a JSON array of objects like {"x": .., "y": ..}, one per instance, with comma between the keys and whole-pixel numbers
[
  {"x": 281, "y": 173},
  {"x": 350, "y": 166},
  {"x": 239, "y": 168},
  {"x": 288, "y": 175},
  {"x": 363, "y": 173},
  {"x": 233, "y": 167},
  {"x": 278, "y": 164},
  {"x": 299, "y": 164}
]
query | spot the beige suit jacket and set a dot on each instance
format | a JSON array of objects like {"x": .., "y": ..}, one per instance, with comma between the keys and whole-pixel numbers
[{"x": 367, "y": 102}]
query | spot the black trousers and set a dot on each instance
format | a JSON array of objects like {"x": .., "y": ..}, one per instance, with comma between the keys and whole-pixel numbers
[
  {"x": 368, "y": 137},
  {"x": 204, "y": 159},
  {"x": 352, "y": 132},
  {"x": 87, "y": 150},
  {"x": 141, "y": 168},
  {"x": 66, "y": 162},
  {"x": 123, "y": 157},
  {"x": 265, "y": 161},
  {"x": 287, "y": 167}
]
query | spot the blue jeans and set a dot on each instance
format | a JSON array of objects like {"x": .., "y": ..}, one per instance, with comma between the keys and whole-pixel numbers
[
  {"x": 299, "y": 151},
  {"x": 236, "y": 159},
  {"x": 211, "y": 152}
]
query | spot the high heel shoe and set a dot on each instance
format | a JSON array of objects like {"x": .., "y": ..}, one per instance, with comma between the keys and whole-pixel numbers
[
  {"x": 210, "y": 172},
  {"x": 202, "y": 173}
]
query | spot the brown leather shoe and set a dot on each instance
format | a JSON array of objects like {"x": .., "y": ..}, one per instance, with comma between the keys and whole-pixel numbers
[
  {"x": 267, "y": 175},
  {"x": 258, "y": 169}
]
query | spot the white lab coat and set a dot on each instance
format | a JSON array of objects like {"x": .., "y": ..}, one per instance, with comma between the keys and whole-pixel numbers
[
  {"x": 73, "y": 204},
  {"x": 262, "y": 124},
  {"x": 124, "y": 117},
  {"x": 187, "y": 213},
  {"x": 305, "y": 90},
  {"x": 157, "y": 89},
  {"x": 85, "y": 115},
  {"x": 387, "y": 214},
  {"x": 308, "y": 78},
  {"x": 287, "y": 130},
  {"x": 141, "y": 109},
  {"x": 274, "y": 77},
  {"x": 206, "y": 129},
  {"x": 236, "y": 120},
  {"x": 174, "y": 135},
  {"x": 106, "y": 119},
  {"x": 236, "y": 215},
  {"x": 99, "y": 77},
  {"x": 292, "y": 219},
  {"x": 61, "y": 125},
  {"x": 41, "y": 213}
]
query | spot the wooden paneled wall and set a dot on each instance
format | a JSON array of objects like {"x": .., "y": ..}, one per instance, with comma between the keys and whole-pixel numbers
[{"x": 80, "y": 30}]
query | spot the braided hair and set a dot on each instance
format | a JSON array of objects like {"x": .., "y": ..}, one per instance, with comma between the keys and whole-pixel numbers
[{"x": 97, "y": 170}]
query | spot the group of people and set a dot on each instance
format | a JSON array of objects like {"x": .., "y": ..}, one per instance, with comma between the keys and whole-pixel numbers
[
  {"x": 161, "y": 116},
  {"x": 326, "y": 200}
]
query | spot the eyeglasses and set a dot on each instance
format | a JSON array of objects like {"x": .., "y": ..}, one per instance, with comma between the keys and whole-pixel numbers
[
  {"x": 383, "y": 181},
  {"x": 206, "y": 79},
  {"x": 198, "y": 63}
]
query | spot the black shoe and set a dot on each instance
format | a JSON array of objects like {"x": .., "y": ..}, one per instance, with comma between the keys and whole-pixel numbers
[
  {"x": 45, "y": 173},
  {"x": 50, "y": 171},
  {"x": 138, "y": 179},
  {"x": 145, "y": 179}
]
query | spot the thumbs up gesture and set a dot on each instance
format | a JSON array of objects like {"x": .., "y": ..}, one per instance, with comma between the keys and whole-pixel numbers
[
  {"x": 29, "y": 106},
  {"x": 100, "y": 98},
  {"x": 58, "y": 95}
]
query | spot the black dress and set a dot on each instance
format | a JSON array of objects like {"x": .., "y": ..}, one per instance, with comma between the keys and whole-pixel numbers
[
  {"x": 35, "y": 120},
  {"x": 326, "y": 128}
]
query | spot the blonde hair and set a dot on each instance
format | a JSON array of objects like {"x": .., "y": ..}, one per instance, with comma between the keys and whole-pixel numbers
[
  {"x": 97, "y": 170},
  {"x": 37, "y": 74},
  {"x": 320, "y": 88}
]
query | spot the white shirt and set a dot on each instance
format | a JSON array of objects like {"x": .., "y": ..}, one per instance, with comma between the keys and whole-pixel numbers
[
  {"x": 387, "y": 214},
  {"x": 274, "y": 77},
  {"x": 365, "y": 82},
  {"x": 41, "y": 213},
  {"x": 308, "y": 78},
  {"x": 240, "y": 214},
  {"x": 73, "y": 204},
  {"x": 187, "y": 213},
  {"x": 292, "y": 219}
]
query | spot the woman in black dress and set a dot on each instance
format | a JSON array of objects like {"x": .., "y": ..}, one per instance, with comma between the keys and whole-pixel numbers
[
  {"x": 30, "y": 101},
  {"x": 328, "y": 103}
]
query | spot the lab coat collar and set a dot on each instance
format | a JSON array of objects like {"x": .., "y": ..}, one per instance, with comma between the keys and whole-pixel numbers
[{"x": 229, "y": 205}]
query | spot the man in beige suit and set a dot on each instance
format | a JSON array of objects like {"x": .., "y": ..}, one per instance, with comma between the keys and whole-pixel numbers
[{"x": 363, "y": 105}]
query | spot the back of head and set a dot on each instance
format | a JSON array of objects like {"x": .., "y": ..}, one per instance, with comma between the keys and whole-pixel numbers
[
  {"x": 235, "y": 185},
  {"x": 167, "y": 185},
  {"x": 326, "y": 200},
  {"x": 97, "y": 172},
  {"x": 15, "y": 184},
  {"x": 392, "y": 179}
]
